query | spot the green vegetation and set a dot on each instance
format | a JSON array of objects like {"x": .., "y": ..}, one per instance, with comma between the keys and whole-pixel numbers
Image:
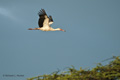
[{"x": 110, "y": 71}]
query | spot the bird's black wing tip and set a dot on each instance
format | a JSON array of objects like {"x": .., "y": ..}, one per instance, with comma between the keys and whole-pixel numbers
[
  {"x": 42, "y": 12},
  {"x": 50, "y": 17}
]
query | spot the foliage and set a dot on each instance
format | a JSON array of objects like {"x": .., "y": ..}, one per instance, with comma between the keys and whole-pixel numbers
[{"x": 100, "y": 72}]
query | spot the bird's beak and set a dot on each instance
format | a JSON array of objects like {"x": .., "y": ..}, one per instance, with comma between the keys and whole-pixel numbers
[{"x": 62, "y": 30}]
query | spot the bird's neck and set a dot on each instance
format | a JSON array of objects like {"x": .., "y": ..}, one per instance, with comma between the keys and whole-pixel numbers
[{"x": 57, "y": 29}]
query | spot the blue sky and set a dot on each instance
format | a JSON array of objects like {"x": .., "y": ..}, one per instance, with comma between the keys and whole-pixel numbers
[{"x": 92, "y": 35}]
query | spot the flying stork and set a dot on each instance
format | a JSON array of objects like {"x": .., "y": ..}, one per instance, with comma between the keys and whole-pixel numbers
[{"x": 44, "y": 22}]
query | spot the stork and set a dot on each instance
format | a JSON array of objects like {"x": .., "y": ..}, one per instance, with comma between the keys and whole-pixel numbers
[{"x": 44, "y": 22}]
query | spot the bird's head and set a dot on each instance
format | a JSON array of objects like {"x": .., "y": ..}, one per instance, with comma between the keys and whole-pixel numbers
[{"x": 61, "y": 29}]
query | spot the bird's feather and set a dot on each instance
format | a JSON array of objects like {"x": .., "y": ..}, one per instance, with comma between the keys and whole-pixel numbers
[
  {"x": 50, "y": 20},
  {"x": 42, "y": 16}
]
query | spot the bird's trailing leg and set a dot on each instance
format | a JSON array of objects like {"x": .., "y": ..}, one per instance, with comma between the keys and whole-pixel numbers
[
  {"x": 34, "y": 29},
  {"x": 30, "y": 29}
]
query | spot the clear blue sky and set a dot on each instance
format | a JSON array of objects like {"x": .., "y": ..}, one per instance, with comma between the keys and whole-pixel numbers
[{"x": 92, "y": 35}]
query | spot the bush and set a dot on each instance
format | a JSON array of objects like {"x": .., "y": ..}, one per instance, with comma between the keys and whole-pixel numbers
[{"x": 100, "y": 72}]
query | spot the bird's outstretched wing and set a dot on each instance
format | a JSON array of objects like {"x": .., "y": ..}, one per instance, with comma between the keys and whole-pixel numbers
[
  {"x": 42, "y": 16},
  {"x": 50, "y": 20}
]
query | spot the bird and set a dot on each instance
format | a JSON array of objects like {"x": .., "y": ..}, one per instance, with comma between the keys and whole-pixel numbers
[{"x": 44, "y": 22}]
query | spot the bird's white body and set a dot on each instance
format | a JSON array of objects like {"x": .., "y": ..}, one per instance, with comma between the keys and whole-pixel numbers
[
  {"x": 47, "y": 29},
  {"x": 45, "y": 22}
]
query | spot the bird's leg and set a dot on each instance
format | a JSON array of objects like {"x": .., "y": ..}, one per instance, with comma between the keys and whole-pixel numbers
[
  {"x": 30, "y": 29},
  {"x": 34, "y": 29}
]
